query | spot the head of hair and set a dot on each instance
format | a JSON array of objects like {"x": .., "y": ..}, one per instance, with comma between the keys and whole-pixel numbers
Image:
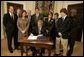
[
  {"x": 50, "y": 13},
  {"x": 39, "y": 20},
  {"x": 36, "y": 8},
  {"x": 73, "y": 10},
  {"x": 56, "y": 14},
  {"x": 23, "y": 12},
  {"x": 63, "y": 10},
  {"x": 9, "y": 7}
]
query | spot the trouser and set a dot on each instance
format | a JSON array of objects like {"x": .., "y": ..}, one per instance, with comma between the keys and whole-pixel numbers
[
  {"x": 64, "y": 43},
  {"x": 11, "y": 36},
  {"x": 35, "y": 51},
  {"x": 53, "y": 38},
  {"x": 71, "y": 43}
]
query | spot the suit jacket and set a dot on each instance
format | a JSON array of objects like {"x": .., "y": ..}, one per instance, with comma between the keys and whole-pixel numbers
[
  {"x": 65, "y": 27},
  {"x": 33, "y": 21},
  {"x": 76, "y": 27},
  {"x": 9, "y": 23},
  {"x": 49, "y": 25},
  {"x": 35, "y": 31},
  {"x": 55, "y": 28}
]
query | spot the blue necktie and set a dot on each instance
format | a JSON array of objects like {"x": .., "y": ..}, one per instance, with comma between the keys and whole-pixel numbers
[{"x": 62, "y": 20}]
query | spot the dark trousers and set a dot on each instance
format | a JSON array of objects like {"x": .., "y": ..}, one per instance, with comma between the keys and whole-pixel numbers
[
  {"x": 35, "y": 51},
  {"x": 71, "y": 43},
  {"x": 11, "y": 36},
  {"x": 53, "y": 37}
]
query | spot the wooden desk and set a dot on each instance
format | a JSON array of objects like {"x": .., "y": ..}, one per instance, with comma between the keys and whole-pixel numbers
[{"x": 36, "y": 43}]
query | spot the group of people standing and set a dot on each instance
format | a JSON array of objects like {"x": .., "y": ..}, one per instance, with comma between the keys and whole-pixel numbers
[{"x": 23, "y": 23}]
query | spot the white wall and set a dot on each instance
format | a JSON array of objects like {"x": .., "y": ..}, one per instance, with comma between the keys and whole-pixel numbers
[
  {"x": 30, "y": 5},
  {"x": 58, "y": 5},
  {"x": 2, "y": 33},
  {"x": 82, "y": 37},
  {"x": 63, "y": 4}
]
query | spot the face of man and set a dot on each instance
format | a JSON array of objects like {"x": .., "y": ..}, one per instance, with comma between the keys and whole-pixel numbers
[
  {"x": 62, "y": 14},
  {"x": 73, "y": 12},
  {"x": 40, "y": 23},
  {"x": 29, "y": 12},
  {"x": 55, "y": 17},
  {"x": 37, "y": 10},
  {"x": 18, "y": 11},
  {"x": 11, "y": 9}
]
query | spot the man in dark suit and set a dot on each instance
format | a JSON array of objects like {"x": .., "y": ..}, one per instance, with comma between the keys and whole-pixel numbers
[
  {"x": 18, "y": 12},
  {"x": 64, "y": 26},
  {"x": 34, "y": 18},
  {"x": 54, "y": 29},
  {"x": 9, "y": 21},
  {"x": 75, "y": 31},
  {"x": 39, "y": 30}
]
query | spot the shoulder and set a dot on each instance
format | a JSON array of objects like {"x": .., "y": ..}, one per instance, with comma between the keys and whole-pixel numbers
[
  {"x": 15, "y": 15},
  {"x": 60, "y": 18},
  {"x": 41, "y": 14},
  {"x": 52, "y": 20},
  {"x": 68, "y": 17},
  {"x": 46, "y": 18},
  {"x": 19, "y": 18},
  {"x": 33, "y": 15},
  {"x": 6, "y": 14}
]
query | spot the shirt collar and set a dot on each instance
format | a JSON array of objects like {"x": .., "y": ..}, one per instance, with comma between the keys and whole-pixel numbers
[
  {"x": 64, "y": 17},
  {"x": 11, "y": 14}
]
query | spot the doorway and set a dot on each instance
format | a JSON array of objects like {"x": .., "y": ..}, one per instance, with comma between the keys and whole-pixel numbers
[
  {"x": 16, "y": 6},
  {"x": 79, "y": 8}
]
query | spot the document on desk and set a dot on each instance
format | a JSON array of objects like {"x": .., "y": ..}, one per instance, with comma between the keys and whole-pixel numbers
[{"x": 32, "y": 37}]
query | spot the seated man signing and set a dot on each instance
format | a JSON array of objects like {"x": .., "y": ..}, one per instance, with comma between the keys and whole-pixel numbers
[{"x": 38, "y": 30}]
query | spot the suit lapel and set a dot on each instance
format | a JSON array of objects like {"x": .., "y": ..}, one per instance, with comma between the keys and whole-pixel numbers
[
  {"x": 10, "y": 17},
  {"x": 63, "y": 21}
]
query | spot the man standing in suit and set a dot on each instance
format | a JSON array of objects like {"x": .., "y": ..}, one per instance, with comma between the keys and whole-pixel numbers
[
  {"x": 54, "y": 29},
  {"x": 34, "y": 18},
  {"x": 63, "y": 29},
  {"x": 75, "y": 31},
  {"x": 19, "y": 12},
  {"x": 9, "y": 21}
]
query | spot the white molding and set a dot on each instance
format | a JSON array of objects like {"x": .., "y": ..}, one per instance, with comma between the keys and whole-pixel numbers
[{"x": 82, "y": 37}]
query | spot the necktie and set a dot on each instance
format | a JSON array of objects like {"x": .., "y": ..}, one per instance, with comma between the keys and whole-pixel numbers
[
  {"x": 62, "y": 20},
  {"x": 12, "y": 17}
]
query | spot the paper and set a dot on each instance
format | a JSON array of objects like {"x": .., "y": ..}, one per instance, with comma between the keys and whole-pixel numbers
[
  {"x": 32, "y": 37},
  {"x": 40, "y": 35}
]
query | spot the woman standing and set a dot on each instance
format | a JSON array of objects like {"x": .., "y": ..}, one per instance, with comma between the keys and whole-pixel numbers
[
  {"x": 48, "y": 23},
  {"x": 22, "y": 25}
]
